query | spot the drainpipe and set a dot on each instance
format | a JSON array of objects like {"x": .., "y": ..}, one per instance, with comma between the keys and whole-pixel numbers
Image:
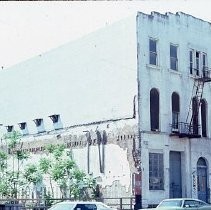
[{"x": 138, "y": 194}]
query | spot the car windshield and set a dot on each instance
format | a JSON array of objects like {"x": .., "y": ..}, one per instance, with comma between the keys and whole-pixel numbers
[
  {"x": 62, "y": 206},
  {"x": 171, "y": 203},
  {"x": 102, "y": 206}
]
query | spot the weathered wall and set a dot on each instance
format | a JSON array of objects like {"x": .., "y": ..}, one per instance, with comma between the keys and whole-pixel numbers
[
  {"x": 119, "y": 140},
  {"x": 186, "y": 32}
]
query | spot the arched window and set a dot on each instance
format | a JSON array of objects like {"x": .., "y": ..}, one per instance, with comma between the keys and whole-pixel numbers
[
  {"x": 154, "y": 109},
  {"x": 195, "y": 116},
  {"x": 204, "y": 117},
  {"x": 175, "y": 105},
  {"x": 202, "y": 179},
  {"x": 201, "y": 162}
]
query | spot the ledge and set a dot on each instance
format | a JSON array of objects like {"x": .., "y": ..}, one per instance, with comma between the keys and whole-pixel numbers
[
  {"x": 154, "y": 67},
  {"x": 175, "y": 72}
]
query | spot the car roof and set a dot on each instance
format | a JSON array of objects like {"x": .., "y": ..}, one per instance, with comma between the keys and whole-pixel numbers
[
  {"x": 171, "y": 199},
  {"x": 81, "y": 202},
  {"x": 174, "y": 199}
]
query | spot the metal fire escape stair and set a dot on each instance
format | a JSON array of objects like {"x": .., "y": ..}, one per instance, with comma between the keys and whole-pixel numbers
[
  {"x": 197, "y": 94},
  {"x": 190, "y": 127}
]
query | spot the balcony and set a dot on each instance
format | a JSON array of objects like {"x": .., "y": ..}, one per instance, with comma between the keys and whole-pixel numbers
[
  {"x": 182, "y": 130},
  {"x": 203, "y": 75}
]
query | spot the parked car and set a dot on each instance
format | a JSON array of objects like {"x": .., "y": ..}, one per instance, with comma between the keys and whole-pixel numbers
[
  {"x": 81, "y": 205},
  {"x": 183, "y": 203}
]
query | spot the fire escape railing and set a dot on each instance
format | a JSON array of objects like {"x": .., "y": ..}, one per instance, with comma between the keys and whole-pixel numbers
[{"x": 190, "y": 128}]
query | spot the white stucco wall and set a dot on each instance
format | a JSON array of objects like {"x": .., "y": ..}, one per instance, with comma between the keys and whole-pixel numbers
[
  {"x": 90, "y": 79},
  {"x": 187, "y": 33}
]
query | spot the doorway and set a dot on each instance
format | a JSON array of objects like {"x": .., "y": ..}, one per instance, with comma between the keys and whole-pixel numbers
[
  {"x": 175, "y": 190},
  {"x": 202, "y": 179}
]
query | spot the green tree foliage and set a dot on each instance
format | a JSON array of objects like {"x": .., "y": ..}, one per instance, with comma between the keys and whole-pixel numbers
[
  {"x": 58, "y": 165},
  {"x": 11, "y": 177},
  {"x": 62, "y": 169}
]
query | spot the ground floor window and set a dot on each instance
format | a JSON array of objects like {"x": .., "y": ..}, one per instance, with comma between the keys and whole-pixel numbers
[{"x": 156, "y": 171}]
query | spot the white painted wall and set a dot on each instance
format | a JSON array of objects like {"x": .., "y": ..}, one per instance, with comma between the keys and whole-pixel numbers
[
  {"x": 91, "y": 79},
  {"x": 186, "y": 32}
]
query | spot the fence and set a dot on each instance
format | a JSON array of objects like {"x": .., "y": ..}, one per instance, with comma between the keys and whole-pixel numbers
[{"x": 125, "y": 203}]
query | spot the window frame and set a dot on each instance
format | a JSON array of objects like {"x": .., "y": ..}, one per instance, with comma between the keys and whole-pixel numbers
[
  {"x": 154, "y": 109},
  {"x": 175, "y": 108},
  {"x": 174, "y": 58},
  {"x": 153, "y": 53},
  {"x": 156, "y": 171}
]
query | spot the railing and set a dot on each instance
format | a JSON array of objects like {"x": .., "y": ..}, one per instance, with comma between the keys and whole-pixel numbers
[
  {"x": 204, "y": 73},
  {"x": 185, "y": 129}
]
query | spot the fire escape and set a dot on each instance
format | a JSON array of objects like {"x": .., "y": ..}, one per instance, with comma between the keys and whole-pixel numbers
[{"x": 190, "y": 128}]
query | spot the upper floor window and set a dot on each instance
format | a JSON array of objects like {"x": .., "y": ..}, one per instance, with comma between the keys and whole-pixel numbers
[
  {"x": 195, "y": 116},
  {"x": 204, "y": 117},
  {"x": 154, "y": 109},
  {"x": 153, "y": 51},
  {"x": 198, "y": 62},
  {"x": 175, "y": 111},
  {"x": 173, "y": 57},
  {"x": 191, "y": 61}
]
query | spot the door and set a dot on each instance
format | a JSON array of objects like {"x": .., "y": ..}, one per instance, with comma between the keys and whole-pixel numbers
[
  {"x": 175, "y": 190},
  {"x": 202, "y": 179}
]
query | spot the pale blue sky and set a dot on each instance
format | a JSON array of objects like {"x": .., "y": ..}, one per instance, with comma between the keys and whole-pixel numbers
[{"x": 30, "y": 28}]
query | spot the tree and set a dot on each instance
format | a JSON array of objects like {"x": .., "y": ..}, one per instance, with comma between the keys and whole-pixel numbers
[
  {"x": 58, "y": 165},
  {"x": 11, "y": 179},
  {"x": 62, "y": 169}
]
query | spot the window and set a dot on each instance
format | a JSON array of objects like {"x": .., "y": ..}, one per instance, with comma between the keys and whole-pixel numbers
[
  {"x": 191, "y": 55},
  {"x": 85, "y": 207},
  {"x": 204, "y": 61},
  {"x": 175, "y": 111},
  {"x": 198, "y": 63},
  {"x": 195, "y": 110},
  {"x": 204, "y": 117},
  {"x": 156, "y": 171},
  {"x": 154, "y": 109},
  {"x": 204, "y": 65},
  {"x": 173, "y": 57},
  {"x": 153, "y": 51}
]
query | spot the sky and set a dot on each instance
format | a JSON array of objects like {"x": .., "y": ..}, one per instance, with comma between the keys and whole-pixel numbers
[{"x": 30, "y": 28}]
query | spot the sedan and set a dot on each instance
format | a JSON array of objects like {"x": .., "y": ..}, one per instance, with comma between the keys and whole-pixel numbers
[
  {"x": 183, "y": 203},
  {"x": 81, "y": 205}
]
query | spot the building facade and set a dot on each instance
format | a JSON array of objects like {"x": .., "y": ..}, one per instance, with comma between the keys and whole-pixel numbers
[
  {"x": 143, "y": 84},
  {"x": 174, "y": 111}
]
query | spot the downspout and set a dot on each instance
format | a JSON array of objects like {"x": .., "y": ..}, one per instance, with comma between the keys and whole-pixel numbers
[{"x": 138, "y": 196}]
